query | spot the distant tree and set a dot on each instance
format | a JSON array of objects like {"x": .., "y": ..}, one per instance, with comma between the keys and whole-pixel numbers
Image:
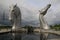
[
  {"x": 56, "y": 27},
  {"x": 26, "y": 26},
  {"x": 29, "y": 29},
  {"x": 51, "y": 26}
]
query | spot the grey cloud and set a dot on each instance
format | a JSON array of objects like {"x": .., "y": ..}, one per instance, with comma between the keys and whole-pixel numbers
[
  {"x": 32, "y": 18},
  {"x": 28, "y": 17}
]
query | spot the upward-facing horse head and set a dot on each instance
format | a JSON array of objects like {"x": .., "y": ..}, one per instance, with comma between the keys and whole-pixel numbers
[{"x": 45, "y": 9}]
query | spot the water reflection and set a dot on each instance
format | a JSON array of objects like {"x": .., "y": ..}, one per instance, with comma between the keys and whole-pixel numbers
[
  {"x": 6, "y": 37},
  {"x": 18, "y": 36}
]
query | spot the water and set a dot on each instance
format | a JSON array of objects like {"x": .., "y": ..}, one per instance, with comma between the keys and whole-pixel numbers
[{"x": 19, "y": 36}]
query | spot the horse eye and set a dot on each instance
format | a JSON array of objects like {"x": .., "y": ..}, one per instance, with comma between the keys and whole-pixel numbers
[{"x": 12, "y": 10}]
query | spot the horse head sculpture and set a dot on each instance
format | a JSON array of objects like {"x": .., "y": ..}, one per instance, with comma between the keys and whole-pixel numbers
[
  {"x": 43, "y": 22},
  {"x": 15, "y": 16},
  {"x": 45, "y": 9}
]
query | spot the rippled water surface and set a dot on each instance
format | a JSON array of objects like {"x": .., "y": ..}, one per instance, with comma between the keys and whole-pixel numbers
[{"x": 18, "y": 36}]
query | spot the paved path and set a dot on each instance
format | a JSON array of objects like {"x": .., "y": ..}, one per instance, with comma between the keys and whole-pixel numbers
[{"x": 44, "y": 31}]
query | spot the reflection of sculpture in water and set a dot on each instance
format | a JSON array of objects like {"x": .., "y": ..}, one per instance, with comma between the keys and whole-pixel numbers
[
  {"x": 43, "y": 23},
  {"x": 15, "y": 17}
]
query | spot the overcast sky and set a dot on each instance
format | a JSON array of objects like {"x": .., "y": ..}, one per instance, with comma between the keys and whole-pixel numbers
[{"x": 30, "y": 10}]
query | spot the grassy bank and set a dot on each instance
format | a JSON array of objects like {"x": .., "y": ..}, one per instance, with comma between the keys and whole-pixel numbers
[{"x": 5, "y": 27}]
